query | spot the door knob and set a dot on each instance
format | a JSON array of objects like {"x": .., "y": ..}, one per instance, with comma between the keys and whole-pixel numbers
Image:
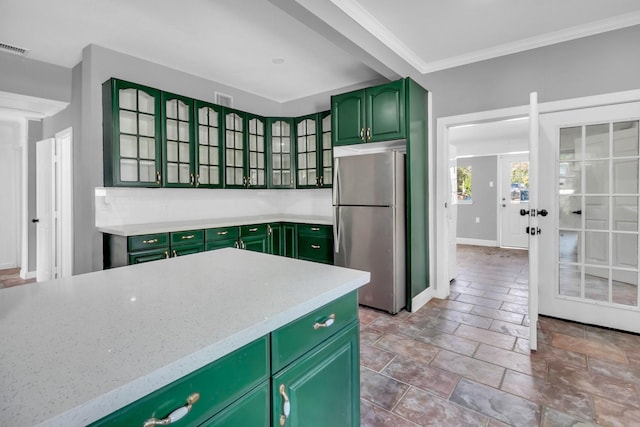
[
  {"x": 524, "y": 212},
  {"x": 543, "y": 212}
]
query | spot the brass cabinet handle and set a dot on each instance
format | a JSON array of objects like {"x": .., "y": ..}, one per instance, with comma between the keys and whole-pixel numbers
[
  {"x": 175, "y": 254},
  {"x": 222, "y": 233},
  {"x": 174, "y": 416},
  {"x": 286, "y": 405},
  {"x": 326, "y": 323},
  {"x": 368, "y": 134},
  {"x": 315, "y": 246},
  {"x": 166, "y": 254},
  {"x": 150, "y": 241},
  {"x": 315, "y": 228},
  {"x": 362, "y": 134},
  {"x": 317, "y": 182},
  {"x": 197, "y": 180},
  {"x": 192, "y": 180},
  {"x": 235, "y": 245},
  {"x": 253, "y": 229},
  {"x": 269, "y": 230},
  {"x": 190, "y": 236},
  {"x": 158, "y": 177},
  {"x": 321, "y": 181}
]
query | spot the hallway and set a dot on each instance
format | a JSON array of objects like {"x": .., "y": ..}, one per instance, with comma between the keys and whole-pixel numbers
[{"x": 466, "y": 361}]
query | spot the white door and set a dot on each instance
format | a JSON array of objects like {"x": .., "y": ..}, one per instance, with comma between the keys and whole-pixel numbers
[
  {"x": 514, "y": 196},
  {"x": 589, "y": 241},
  {"x": 452, "y": 213},
  {"x": 45, "y": 199},
  {"x": 533, "y": 230}
]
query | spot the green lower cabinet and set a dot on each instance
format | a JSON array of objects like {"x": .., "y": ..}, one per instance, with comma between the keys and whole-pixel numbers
[
  {"x": 321, "y": 388},
  {"x": 217, "y": 386},
  {"x": 251, "y": 410},
  {"x": 274, "y": 234},
  {"x": 146, "y": 256},
  {"x": 220, "y": 244},
  {"x": 254, "y": 238}
]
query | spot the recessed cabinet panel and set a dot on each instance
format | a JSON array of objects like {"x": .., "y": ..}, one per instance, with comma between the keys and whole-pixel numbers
[
  {"x": 234, "y": 150},
  {"x": 256, "y": 168},
  {"x": 385, "y": 112},
  {"x": 348, "y": 111}
]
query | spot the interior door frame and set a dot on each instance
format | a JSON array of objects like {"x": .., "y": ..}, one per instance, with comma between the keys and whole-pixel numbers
[{"x": 441, "y": 167}]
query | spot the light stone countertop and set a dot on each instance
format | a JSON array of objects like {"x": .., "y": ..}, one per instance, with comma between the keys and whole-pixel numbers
[
  {"x": 163, "y": 227},
  {"x": 76, "y": 349}
]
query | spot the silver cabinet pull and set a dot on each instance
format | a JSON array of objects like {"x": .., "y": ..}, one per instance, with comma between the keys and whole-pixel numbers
[
  {"x": 150, "y": 241},
  {"x": 286, "y": 405},
  {"x": 326, "y": 323},
  {"x": 235, "y": 245},
  {"x": 222, "y": 233},
  {"x": 315, "y": 246},
  {"x": 174, "y": 416},
  {"x": 190, "y": 236}
]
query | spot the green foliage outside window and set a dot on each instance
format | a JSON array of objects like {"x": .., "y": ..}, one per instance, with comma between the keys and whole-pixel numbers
[{"x": 464, "y": 183}]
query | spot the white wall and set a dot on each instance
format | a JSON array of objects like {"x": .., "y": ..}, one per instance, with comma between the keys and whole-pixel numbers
[
  {"x": 124, "y": 206},
  {"x": 11, "y": 136}
]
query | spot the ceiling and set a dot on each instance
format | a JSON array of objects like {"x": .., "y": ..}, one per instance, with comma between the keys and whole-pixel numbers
[{"x": 289, "y": 49}]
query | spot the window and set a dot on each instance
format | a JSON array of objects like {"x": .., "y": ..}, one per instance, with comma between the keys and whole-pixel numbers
[{"x": 464, "y": 184}]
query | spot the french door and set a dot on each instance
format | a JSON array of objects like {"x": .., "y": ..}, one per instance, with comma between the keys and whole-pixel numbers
[{"x": 588, "y": 247}]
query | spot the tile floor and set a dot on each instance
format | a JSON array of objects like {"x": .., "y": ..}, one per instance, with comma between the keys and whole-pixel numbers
[
  {"x": 11, "y": 277},
  {"x": 466, "y": 360}
]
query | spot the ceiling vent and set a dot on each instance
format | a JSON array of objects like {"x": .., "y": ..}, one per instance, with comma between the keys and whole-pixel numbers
[
  {"x": 224, "y": 99},
  {"x": 13, "y": 49}
]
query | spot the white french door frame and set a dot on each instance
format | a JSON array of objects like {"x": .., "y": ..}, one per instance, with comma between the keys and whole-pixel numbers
[{"x": 441, "y": 171}]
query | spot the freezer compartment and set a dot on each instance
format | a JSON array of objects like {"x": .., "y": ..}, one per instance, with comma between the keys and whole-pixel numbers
[
  {"x": 368, "y": 180},
  {"x": 373, "y": 239}
]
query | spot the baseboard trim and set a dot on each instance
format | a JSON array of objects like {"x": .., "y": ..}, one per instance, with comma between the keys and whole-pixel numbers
[
  {"x": 27, "y": 274},
  {"x": 421, "y": 299},
  {"x": 476, "y": 242}
]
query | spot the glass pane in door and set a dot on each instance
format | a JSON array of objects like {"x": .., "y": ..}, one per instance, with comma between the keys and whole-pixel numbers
[{"x": 598, "y": 197}]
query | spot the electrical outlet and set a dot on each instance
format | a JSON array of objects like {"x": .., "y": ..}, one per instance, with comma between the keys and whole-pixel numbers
[{"x": 477, "y": 220}]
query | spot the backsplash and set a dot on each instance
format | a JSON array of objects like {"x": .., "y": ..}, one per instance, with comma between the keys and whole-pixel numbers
[{"x": 124, "y": 206}]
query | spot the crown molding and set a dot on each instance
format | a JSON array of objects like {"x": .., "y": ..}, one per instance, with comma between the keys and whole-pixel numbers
[{"x": 365, "y": 19}]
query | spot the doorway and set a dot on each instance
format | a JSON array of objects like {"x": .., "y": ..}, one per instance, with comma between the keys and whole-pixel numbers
[{"x": 514, "y": 197}]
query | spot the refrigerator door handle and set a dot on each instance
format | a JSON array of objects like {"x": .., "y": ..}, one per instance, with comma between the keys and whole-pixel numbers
[
  {"x": 336, "y": 180},
  {"x": 336, "y": 230}
]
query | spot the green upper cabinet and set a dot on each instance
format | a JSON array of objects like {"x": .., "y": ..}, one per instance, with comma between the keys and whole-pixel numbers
[
  {"x": 280, "y": 152},
  {"x": 314, "y": 151},
  {"x": 209, "y": 147},
  {"x": 131, "y": 135},
  {"x": 178, "y": 141},
  {"x": 369, "y": 115},
  {"x": 244, "y": 153},
  {"x": 348, "y": 113}
]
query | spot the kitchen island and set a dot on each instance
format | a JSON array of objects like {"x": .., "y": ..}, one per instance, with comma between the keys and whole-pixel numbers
[{"x": 77, "y": 349}]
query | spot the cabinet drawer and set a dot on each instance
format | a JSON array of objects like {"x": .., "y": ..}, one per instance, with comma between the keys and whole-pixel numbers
[
  {"x": 299, "y": 336},
  {"x": 187, "y": 237},
  {"x": 252, "y": 410},
  {"x": 218, "y": 384},
  {"x": 146, "y": 256},
  {"x": 223, "y": 233},
  {"x": 315, "y": 230},
  {"x": 253, "y": 230},
  {"x": 148, "y": 241},
  {"x": 186, "y": 249},
  {"x": 219, "y": 244},
  {"x": 312, "y": 248}
]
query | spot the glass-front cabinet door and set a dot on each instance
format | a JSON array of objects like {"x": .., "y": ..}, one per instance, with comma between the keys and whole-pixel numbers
[
  {"x": 280, "y": 147},
  {"x": 234, "y": 148},
  {"x": 132, "y": 143},
  {"x": 314, "y": 152},
  {"x": 256, "y": 161},
  {"x": 208, "y": 143},
  {"x": 178, "y": 141}
]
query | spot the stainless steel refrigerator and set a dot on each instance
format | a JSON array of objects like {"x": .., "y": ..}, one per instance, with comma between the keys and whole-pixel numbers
[{"x": 369, "y": 224}]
